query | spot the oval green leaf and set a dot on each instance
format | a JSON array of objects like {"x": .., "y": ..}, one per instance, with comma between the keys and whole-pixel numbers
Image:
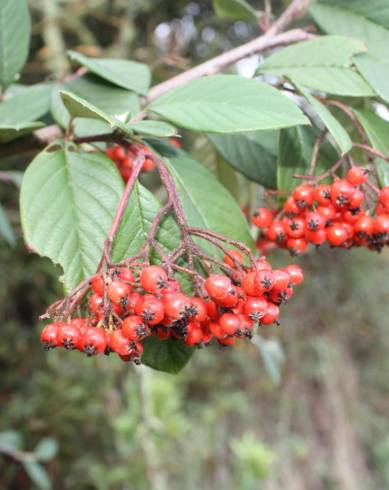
[
  {"x": 228, "y": 104},
  {"x": 130, "y": 75},
  {"x": 15, "y": 29},
  {"x": 68, "y": 201}
]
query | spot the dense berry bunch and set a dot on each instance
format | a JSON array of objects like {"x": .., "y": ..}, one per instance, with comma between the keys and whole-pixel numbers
[
  {"x": 130, "y": 304},
  {"x": 124, "y": 157},
  {"x": 337, "y": 213}
]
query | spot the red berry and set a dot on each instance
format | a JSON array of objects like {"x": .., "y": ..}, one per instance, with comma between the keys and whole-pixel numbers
[
  {"x": 255, "y": 308},
  {"x": 148, "y": 165},
  {"x": 153, "y": 278},
  {"x": 314, "y": 221},
  {"x": 323, "y": 194},
  {"x": 97, "y": 284},
  {"x": 281, "y": 279},
  {"x": 134, "y": 328},
  {"x": 264, "y": 281},
  {"x": 198, "y": 309},
  {"x": 357, "y": 175},
  {"x": 341, "y": 191},
  {"x": 49, "y": 335},
  {"x": 290, "y": 207},
  {"x": 95, "y": 303},
  {"x": 150, "y": 309},
  {"x": 117, "y": 291},
  {"x": 217, "y": 286},
  {"x": 271, "y": 315},
  {"x": 381, "y": 224},
  {"x": 356, "y": 198},
  {"x": 229, "y": 323},
  {"x": 304, "y": 195},
  {"x": 126, "y": 275},
  {"x": 93, "y": 342},
  {"x": 277, "y": 232},
  {"x": 296, "y": 246},
  {"x": 364, "y": 226},
  {"x": 176, "y": 305},
  {"x": 295, "y": 227},
  {"x": 249, "y": 285},
  {"x": 295, "y": 273},
  {"x": 328, "y": 213},
  {"x": 262, "y": 218},
  {"x": 68, "y": 336},
  {"x": 384, "y": 196},
  {"x": 316, "y": 237},
  {"x": 336, "y": 234},
  {"x": 262, "y": 264}
]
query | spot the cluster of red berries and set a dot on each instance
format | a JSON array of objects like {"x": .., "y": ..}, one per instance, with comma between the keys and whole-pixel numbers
[
  {"x": 335, "y": 213},
  {"x": 124, "y": 156},
  {"x": 133, "y": 304}
]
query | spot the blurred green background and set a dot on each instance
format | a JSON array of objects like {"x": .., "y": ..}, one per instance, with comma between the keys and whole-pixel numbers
[{"x": 305, "y": 406}]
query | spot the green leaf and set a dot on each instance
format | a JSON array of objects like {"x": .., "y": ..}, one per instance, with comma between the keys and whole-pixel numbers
[
  {"x": 254, "y": 154},
  {"x": 130, "y": 75},
  {"x": 322, "y": 64},
  {"x": 377, "y": 130},
  {"x": 367, "y": 21},
  {"x": 205, "y": 153},
  {"x": 375, "y": 72},
  {"x": 82, "y": 126},
  {"x": 153, "y": 128},
  {"x": 141, "y": 209},
  {"x": 37, "y": 474},
  {"x": 234, "y": 10},
  {"x": 27, "y": 105},
  {"x": 227, "y": 104},
  {"x": 295, "y": 153},
  {"x": 6, "y": 230},
  {"x": 79, "y": 107},
  {"x": 168, "y": 355},
  {"x": 15, "y": 29},
  {"x": 339, "y": 134},
  {"x": 77, "y": 193},
  {"x": 207, "y": 204},
  {"x": 10, "y": 132},
  {"x": 46, "y": 449},
  {"x": 324, "y": 51}
]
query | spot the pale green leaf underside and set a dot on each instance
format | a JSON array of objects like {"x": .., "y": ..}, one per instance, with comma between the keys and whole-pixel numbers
[
  {"x": 154, "y": 128},
  {"x": 68, "y": 201},
  {"x": 11, "y": 132},
  {"x": 130, "y": 75},
  {"x": 227, "y": 104},
  {"x": 325, "y": 51},
  {"x": 366, "y": 21},
  {"x": 15, "y": 29},
  {"x": 375, "y": 72},
  {"x": 334, "y": 127},
  {"x": 27, "y": 105}
]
